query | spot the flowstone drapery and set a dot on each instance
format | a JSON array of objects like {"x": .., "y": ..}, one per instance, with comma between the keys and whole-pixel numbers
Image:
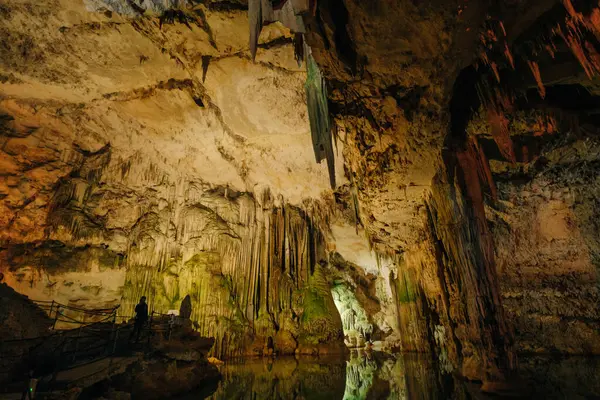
[
  {"x": 355, "y": 321},
  {"x": 251, "y": 269}
]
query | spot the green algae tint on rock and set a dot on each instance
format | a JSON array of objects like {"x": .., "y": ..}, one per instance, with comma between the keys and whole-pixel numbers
[{"x": 321, "y": 326}]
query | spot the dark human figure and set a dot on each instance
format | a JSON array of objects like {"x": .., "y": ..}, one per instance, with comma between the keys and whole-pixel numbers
[
  {"x": 141, "y": 317},
  {"x": 185, "y": 311}
]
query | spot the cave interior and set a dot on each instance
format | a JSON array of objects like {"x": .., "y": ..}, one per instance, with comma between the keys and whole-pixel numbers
[{"x": 411, "y": 187}]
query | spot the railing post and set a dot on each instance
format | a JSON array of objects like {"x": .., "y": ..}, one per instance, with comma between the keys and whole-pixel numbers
[
  {"x": 57, "y": 362},
  {"x": 114, "y": 334},
  {"x": 149, "y": 329},
  {"x": 51, "y": 308},
  {"x": 115, "y": 337},
  {"x": 114, "y": 349},
  {"x": 76, "y": 345},
  {"x": 56, "y": 317}
]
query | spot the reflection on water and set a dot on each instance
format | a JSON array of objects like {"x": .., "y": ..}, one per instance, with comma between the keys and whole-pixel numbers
[
  {"x": 384, "y": 376},
  {"x": 360, "y": 376},
  {"x": 402, "y": 376},
  {"x": 285, "y": 378}
]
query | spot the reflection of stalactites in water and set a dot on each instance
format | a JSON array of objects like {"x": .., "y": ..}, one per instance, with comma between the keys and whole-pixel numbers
[
  {"x": 385, "y": 376},
  {"x": 360, "y": 373},
  {"x": 402, "y": 376},
  {"x": 284, "y": 378}
]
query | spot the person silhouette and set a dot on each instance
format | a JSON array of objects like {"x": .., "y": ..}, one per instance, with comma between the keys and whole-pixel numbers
[{"x": 141, "y": 317}]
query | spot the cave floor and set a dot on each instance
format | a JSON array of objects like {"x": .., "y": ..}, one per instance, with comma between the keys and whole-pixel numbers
[{"x": 392, "y": 376}]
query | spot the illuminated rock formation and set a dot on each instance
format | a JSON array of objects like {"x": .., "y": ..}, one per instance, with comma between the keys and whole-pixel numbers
[
  {"x": 127, "y": 169},
  {"x": 150, "y": 148}
]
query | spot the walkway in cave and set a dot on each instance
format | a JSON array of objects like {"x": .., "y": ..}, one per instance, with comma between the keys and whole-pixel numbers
[{"x": 84, "y": 347}]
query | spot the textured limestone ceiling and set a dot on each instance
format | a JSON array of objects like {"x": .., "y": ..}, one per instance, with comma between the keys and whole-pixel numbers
[
  {"x": 390, "y": 64},
  {"x": 392, "y": 67},
  {"x": 134, "y": 111},
  {"x": 156, "y": 109},
  {"x": 175, "y": 101}
]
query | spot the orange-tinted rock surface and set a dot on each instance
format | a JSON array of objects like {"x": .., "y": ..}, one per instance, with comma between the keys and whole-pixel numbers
[{"x": 143, "y": 152}]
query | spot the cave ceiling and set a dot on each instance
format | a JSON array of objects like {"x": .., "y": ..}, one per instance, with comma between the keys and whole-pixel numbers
[
  {"x": 158, "y": 107},
  {"x": 159, "y": 98}
]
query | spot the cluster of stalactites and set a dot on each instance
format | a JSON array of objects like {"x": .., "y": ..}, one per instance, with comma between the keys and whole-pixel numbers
[
  {"x": 289, "y": 13},
  {"x": 244, "y": 262},
  {"x": 354, "y": 318},
  {"x": 578, "y": 30}
]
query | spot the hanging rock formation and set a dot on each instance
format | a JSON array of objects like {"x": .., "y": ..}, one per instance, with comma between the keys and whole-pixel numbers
[
  {"x": 318, "y": 114},
  {"x": 129, "y": 170},
  {"x": 146, "y": 148},
  {"x": 423, "y": 124}
]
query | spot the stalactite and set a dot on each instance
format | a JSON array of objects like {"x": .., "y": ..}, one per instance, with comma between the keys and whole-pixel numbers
[
  {"x": 509, "y": 56},
  {"x": 496, "y": 103},
  {"x": 205, "y": 64},
  {"x": 255, "y": 20},
  {"x": 299, "y": 48},
  {"x": 500, "y": 133},
  {"x": 246, "y": 267},
  {"x": 318, "y": 112},
  {"x": 535, "y": 70},
  {"x": 356, "y": 207}
]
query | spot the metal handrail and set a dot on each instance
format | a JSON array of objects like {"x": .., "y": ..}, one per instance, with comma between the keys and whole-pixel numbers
[
  {"x": 67, "y": 342},
  {"x": 64, "y": 353}
]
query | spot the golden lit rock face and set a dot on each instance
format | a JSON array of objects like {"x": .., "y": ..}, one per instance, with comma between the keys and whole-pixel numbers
[
  {"x": 144, "y": 155},
  {"x": 139, "y": 159},
  {"x": 117, "y": 111},
  {"x": 90, "y": 76},
  {"x": 546, "y": 240}
]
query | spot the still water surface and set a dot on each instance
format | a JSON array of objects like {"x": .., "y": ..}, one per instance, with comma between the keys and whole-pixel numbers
[{"x": 384, "y": 376}]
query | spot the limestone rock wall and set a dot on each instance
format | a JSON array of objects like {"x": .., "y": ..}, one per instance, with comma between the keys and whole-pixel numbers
[
  {"x": 252, "y": 272},
  {"x": 446, "y": 294},
  {"x": 546, "y": 234},
  {"x": 142, "y": 152}
]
